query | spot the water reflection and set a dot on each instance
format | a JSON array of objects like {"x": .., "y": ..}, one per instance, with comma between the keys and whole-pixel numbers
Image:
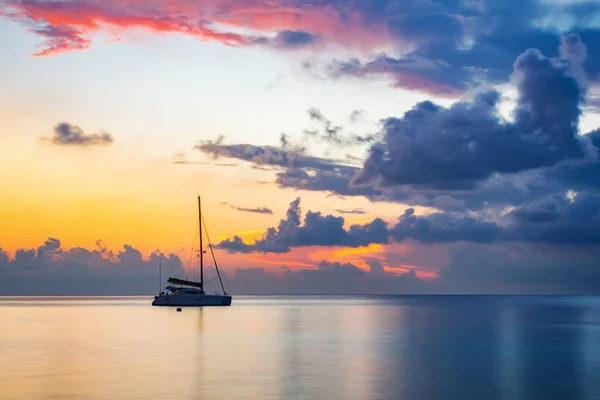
[
  {"x": 551, "y": 342},
  {"x": 416, "y": 347},
  {"x": 590, "y": 353},
  {"x": 509, "y": 369},
  {"x": 449, "y": 350}
]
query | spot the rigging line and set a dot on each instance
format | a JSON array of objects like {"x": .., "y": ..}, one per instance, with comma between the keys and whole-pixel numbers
[
  {"x": 213, "y": 255},
  {"x": 173, "y": 265},
  {"x": 187, "y": 274}
]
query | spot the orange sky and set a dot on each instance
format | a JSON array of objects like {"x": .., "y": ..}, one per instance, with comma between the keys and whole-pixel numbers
[{"x": 120, "y": 196}]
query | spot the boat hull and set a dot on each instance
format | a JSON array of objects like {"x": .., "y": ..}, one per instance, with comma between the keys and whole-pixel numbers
[{"x": 206, "y": 300}]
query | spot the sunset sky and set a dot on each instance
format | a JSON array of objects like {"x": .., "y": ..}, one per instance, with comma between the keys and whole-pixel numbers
[{"x": 359, "y": 146}]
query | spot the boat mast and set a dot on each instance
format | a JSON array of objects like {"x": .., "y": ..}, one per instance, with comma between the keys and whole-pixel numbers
[{"x": 201, "y": 248}]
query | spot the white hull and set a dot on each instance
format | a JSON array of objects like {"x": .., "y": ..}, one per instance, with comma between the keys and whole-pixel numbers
[{"x": 200, "y": 300}]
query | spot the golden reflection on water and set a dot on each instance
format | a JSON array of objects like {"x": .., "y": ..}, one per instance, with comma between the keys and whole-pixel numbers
[
  {"x": 297, "y": 348},
  {"x": 124, "y": 348}
]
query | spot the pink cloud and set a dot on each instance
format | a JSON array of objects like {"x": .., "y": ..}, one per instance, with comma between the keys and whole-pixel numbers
[{"x": 68, "y": 25}]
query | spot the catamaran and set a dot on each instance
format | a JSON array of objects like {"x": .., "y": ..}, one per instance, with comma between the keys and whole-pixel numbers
[{"x": 184, "y": 293}]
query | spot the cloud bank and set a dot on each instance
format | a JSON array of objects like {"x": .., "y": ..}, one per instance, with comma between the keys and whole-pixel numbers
[
  {"x": 53, "y": 270},
  {"x": 470, "y": 268}
]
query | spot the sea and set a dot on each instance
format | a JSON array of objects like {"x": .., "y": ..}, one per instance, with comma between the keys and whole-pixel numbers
[{"x": 302, "y": 347}]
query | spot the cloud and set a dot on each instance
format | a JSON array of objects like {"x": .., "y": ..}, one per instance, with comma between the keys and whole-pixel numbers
[
  {"x": 317, "y": 230},
  {"x": 352, "y": 211},
  {"x": 331, "y": 133},
  {"x": 441, "y": 227},
  {"x": 68, "y": 25},
  {"x": 61, "y": 39},
  {"x": 455, "y": 46},
  {"x": 437, "y": 47},
  {"x": 357, "y": 115},
  {"x": 288, "y": 39},
  {"x": 266, "y": 155},
  {"x": 256, "y": 210},
  {"x": 457, "y": 147},
  {"x": 328, "y": 230},
  {"x": 347, "y": 278},
  {"x": 66, "y": 134},
  {"x": 410, "y": 72},
  {"x": 499, "y": 191},
  {"x": 53, "y": 270},
  {"x": 304, "y": 172},
  {"x": 572, "y": 219},
  {"x": 184, "y": 162},
  {"x": 294, "y": 167},
  {"x": 517, "y": 269},
  {"x": 470, "y": 268}
]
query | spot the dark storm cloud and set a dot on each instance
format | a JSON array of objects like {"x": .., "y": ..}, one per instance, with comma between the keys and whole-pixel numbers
[
  {"x": 335, "y": 181},
  {"x": 440, "y": 227},
  {"x": 457, "y": 147},
  {"x": 583, "y": 175},
  {"x": 572, "y": 219},
  {"x": 71, "y": 135}
]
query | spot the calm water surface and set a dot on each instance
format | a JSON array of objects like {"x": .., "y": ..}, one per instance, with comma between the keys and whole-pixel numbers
[{"x": 415, "y": 347}]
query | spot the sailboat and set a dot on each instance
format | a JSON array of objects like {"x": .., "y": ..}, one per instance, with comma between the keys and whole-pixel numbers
[{"x": 184, "y": 293}]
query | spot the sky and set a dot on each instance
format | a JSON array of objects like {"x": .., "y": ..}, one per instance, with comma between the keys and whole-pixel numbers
[{"x": 358, "y": 146}]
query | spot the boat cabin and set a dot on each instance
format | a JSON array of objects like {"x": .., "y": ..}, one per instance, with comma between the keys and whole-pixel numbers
[{"x": 183, "y": 290}]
